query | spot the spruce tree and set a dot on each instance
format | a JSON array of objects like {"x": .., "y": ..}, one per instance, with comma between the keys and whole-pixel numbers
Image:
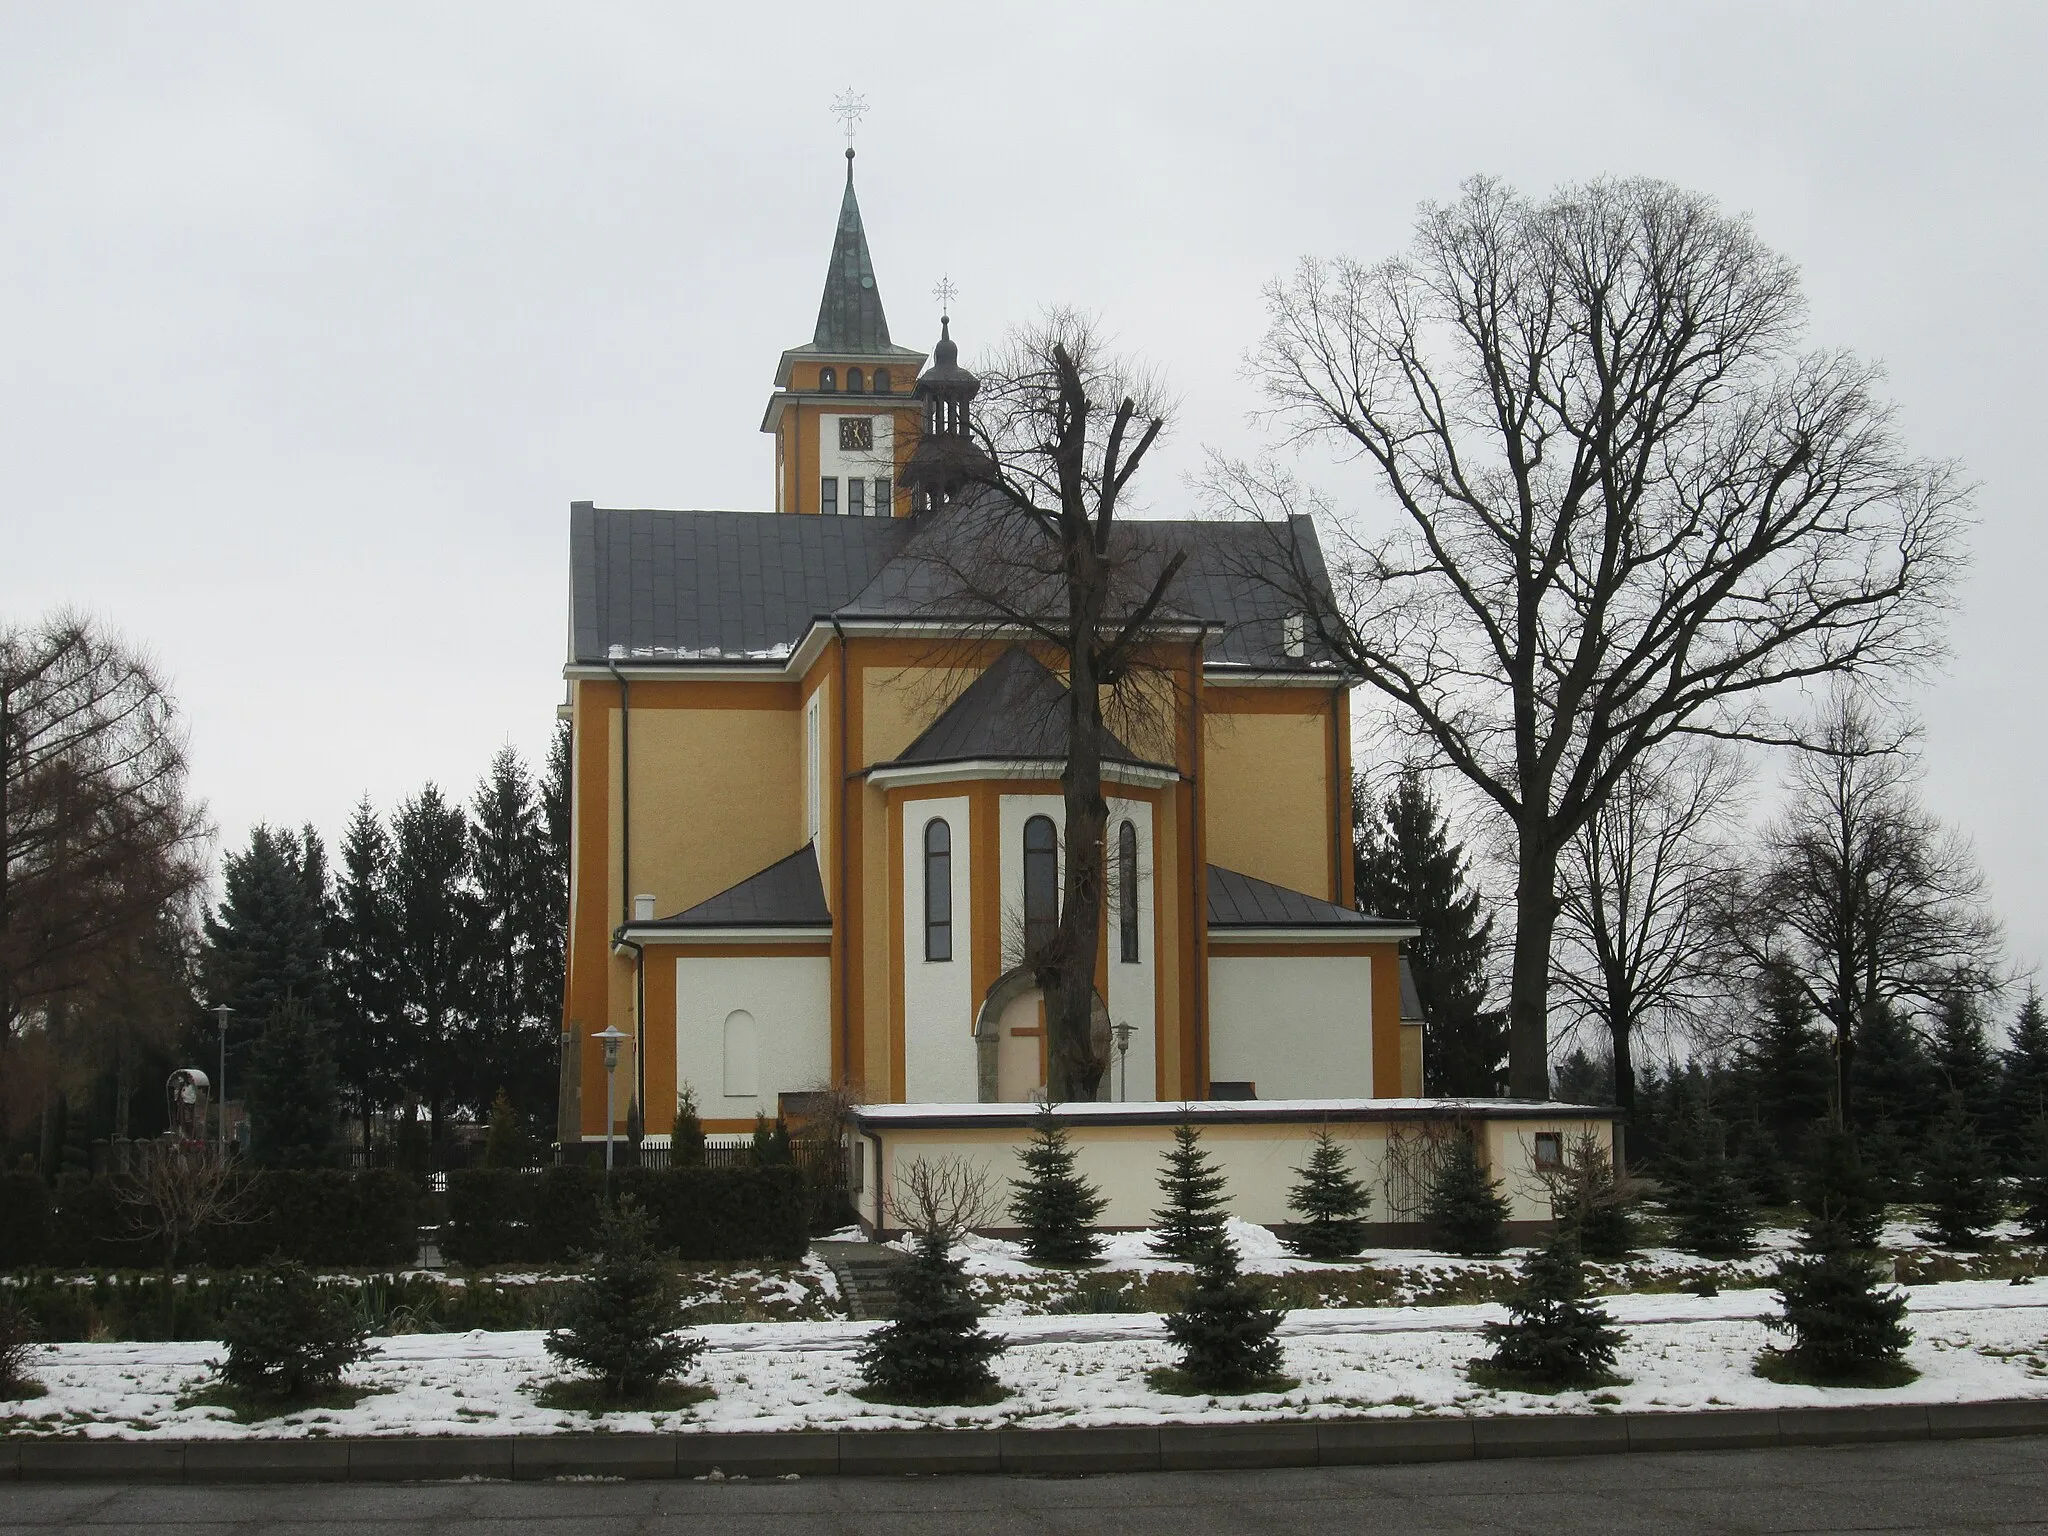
[
  {"x": 2033, "y": 1182},
  {"x": 1054, "y": 1205},
  {"x": 507, "y": 1143},
  {"x": 1330, "y": 1202},
  {"x": 431, "y": 912},
  {"x": 362, "y": 937},
  {"x": 1961, "y": 1195},
  {"x": 1192, "y": 1219},
  {"x": 623, "y": 1322},
  {"x": 1841, "y": 1197},
  {"x": 289, "y": 1339},
  {"x": 933, "y": 1350},
  {"x": 1225, "y": 1328},
  {"x": 1709, "y": 1206},
  {"x": 1465, "y": 1208},
  {"x": 1962, "y": 1056},
  {"x": 1554, "y": 1336},
  {"x": 1785, "y": 1063},
  {"x": 1847, "y": 1327},
  {"x": 267, "y": 942},
  {"x": 292, "y": 1095},
  {"x": 2023, "y": 1081},
  {"x": 686, "y": 1141},
  {"x": 770, "y": 1146},
  {"x": 1407, "y": 866},
  {"x": 514, "y": 1017},
  {"x": 1588, "y": 1204},
  {"x": 1895, "y": 1087}
]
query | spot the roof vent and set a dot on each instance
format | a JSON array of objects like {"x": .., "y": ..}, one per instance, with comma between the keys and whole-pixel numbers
[{"x": 643, "y": 909}]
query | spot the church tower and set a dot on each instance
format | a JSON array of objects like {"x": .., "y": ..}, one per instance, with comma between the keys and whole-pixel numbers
[{"x": 843, "y": 416}]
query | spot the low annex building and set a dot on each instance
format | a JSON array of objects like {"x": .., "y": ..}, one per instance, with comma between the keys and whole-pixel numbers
[{"x": 816, "y": 823}]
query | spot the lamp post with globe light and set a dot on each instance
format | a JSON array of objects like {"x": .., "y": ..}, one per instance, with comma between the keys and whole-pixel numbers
[
  {"x": 1123, "y": 1029},
  {"x": 611, "y": 1035}
]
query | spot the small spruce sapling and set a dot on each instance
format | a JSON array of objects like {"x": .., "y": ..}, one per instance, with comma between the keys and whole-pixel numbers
[
  {"x": 1054, "y": 1205},
  {"x": 1554, "y": 1336},
  {"x": 1465, "y": 1209},
  {"x": 1838, "y": 1190},
  {"x": 289, "y": 1338},
  {"x": 2033, "y": 1182},
  {"x": 1331, "y": 1203},
  {"x": 506, "y": 1143},
  {"x": 623, "y": 1323},
  {"x": 1588, "y": 1203},
  {"x": 1961, "y": 1195},
  {"x": 1708, "y": 1203},
  {"x": 770, "y": 1148},
  {"x": 1192, "y": 1219},
  {"x": 933, "y": 1350},
  {"x": 686, "y": 1142},
  {"x": 1225, "y": 1329},
  {"x": 1847, "y": 1327}
]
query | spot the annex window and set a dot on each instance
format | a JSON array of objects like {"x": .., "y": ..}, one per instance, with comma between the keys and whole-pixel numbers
[
  {"x": 884, "y": 497},
  {"x": 828, "y": 379},
  {"x": 881, "y": 381},
  {"x": 1127, "y": 891},
  {"x": 856, "y": 434},
  {"x": 1549, "y": 1150},
  {"x": 742, "y": 1055},
  {"x": 828, "y": 494},
  {"x": 856, "y": 497},
  {"x": 854, "y": 382},
  {"x": 1041, "y": 884},
  {"x": 938, "y": 890}
]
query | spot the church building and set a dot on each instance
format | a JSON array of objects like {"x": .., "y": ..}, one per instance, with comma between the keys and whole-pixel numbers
[{"x": 816, "y": 827}]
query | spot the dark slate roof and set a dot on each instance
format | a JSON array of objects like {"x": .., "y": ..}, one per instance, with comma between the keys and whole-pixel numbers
[
  {"x": 1411, "y": 996},
  {"x": 1015, "y": 709},
  {"x": 712, "y": 586},
  {"x": 1240, "y": 901},
  {"x": 706, "y": 585},
  {"x": 787, "y": 894},
  {"x": 850, "y": 317}
]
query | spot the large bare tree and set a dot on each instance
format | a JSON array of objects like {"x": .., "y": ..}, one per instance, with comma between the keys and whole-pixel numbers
[
  {"x": 1025, "y": 540},
  {"x": 1639, "y": 887},
  {"x": 1865, "y": 900},
  {"x": 1627, "y": 502}
]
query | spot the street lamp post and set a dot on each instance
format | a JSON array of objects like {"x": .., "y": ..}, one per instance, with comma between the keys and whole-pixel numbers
[
  {"x": 220, "y": 1088},
  {"x": 1123, "y": 1029},
  {"x": 611, "y": 1035}
]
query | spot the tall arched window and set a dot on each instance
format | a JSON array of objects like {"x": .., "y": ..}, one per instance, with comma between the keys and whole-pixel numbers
[
  {"x": 1127, "y": 890},
  {"x": 938, "y": 890},
  {"x": 854, "y": 383},
  {"x": 742, "y": 1055},
  {"x": 881, "y": 381},
  {"x": 1041, "y": 884},
  {"x": 828, "y": 379}
]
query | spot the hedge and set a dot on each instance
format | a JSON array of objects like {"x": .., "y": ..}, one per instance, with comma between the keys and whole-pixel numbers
[
  {"x": 499, "y": 1216},
  {"x": 318, "y": 1216}
]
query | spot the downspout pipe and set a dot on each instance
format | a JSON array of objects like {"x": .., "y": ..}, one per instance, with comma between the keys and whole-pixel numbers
[
  {"x": 619, "y": 939},
  {"x": 1200, "y": 873},
  {"x": 841, "y": 928}
]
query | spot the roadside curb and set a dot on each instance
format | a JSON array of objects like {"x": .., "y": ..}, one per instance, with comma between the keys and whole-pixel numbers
[{"x": 885, "y": 1452}]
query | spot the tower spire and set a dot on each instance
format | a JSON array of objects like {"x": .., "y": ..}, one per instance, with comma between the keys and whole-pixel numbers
[{"x": 850, "y": 317}]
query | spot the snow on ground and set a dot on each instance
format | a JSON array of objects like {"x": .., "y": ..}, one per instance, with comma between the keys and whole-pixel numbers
[{"x": 1974, "y": 1340}]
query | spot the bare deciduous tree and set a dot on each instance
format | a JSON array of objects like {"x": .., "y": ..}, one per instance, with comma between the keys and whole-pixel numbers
[
  {"x": 1637, "y": 938},
  {"x": 1866, "y": 899},
  {"x": 1628, "y": 504},
  {"x": 173, "y": 1192},
  {"x": 939, "y": 1199}
]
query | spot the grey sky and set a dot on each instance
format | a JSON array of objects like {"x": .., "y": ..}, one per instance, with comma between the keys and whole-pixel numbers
[{"x": 316, "y": 318}]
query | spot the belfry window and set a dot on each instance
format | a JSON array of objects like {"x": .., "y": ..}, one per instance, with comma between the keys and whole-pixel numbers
[
  {"x": 885, "y": 501},
  {"x": 1041, "y": 884},
  {"x": 828, "y": 379},
  {"x": 828, "y": 495},
  {"x": 854, "y": 382},
  {"x": 881, "y": 381},
  {"x": 938, "y": 890},
  {"x": 856, "y": 497},
  {"x": 1127, "y": 891}
]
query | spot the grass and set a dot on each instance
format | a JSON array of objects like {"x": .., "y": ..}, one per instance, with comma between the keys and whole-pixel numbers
[
  {"x": 994, "y": 1392},
  {"x": 21, "y": 1389},
  {"x": 1484, "y": 1373},
  {"x": 254, "y": 1407},
  {"x": 1175, "y": 1382},
  {"x": 582, "y": 1395},
  {"x": 1785, "y": 1367}
]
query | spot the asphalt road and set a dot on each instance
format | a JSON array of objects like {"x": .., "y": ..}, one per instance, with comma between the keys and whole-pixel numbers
[{"x": 1948, "y": 1486}]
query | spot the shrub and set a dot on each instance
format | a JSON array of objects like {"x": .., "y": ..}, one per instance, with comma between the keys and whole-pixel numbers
[
  {"x": 1587, "y": 1201},
  {"x": 490, "y": 1216},
  {"x": 1465, "y": 1208},
  {"x": 17, "y": 1351},
  {"x": 686, "y": 1141},
  {"x": 1847, "y": 1328},
  {"x": 1055, "y": 1205},
  {"x": 507, "y": 1143},
  {"x": 499, "y": 1217},
  {"x": 1554, "y": 1337},
  {"x": 2033, "y": 1184},
  {"x": 1330, "y": 1202},
  {"x": 289, "y": 1339},
  {"x": 25, "y": 1220},
  {"x": 623, "y": 1324},
  {"x": 1961, "y": 1196},
  {"x": 933, "y": 1350},
  {"x": 1709, "y": 1205},
  {"x": 1225, "y": 1329},
  {"x": 1191, "y": 1220}
]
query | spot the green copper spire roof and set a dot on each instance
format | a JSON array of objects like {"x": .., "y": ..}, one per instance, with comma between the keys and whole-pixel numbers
[{"x": 850, "y": 317}]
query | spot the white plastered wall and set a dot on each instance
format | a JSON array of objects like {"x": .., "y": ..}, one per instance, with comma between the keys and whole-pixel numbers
[
  {"x": 789, "y": 997},
  {"x": 1297, "y": 1026},
  {"x": 938, "y": 1000},
  {"x": 880, "y": 460},
  {"x": 1130, "y": 997}
]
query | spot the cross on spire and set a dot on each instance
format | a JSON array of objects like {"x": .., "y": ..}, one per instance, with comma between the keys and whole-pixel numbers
[
  {"x": 849, "y": 108},
  {"x": 944, "y": 291}
]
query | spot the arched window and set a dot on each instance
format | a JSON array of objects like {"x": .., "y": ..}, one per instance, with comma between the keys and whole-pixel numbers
[
  {"x": 854, "y": 384},
  {"x": 1041, "y": 884},
  {"x": 1127, "y": 890},
  {"x": 742, "y": 1055},
  {"x": 881, "y": 381},
  {"x": 828, "y": 378},
  {"x": 938, "y": 890}
]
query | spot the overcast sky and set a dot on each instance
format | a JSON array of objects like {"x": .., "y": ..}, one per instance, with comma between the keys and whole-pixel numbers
[{"x": 314, "y": 319}]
